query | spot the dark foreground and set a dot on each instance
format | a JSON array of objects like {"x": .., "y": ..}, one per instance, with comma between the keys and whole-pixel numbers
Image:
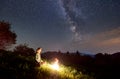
[{"x": 100, "y": 66}]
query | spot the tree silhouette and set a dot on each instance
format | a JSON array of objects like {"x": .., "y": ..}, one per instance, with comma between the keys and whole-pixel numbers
[
  {"x": 77, "y": 52},
  {"x": 67, "y": 52},
  {"x": 7, "y": 37},
  {"x": 24, "y": 50}
]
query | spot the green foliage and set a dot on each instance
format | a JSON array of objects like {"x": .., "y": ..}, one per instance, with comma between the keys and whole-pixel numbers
[
  {"x": 24, "y": 50},
  {"x": 65, "y": 72},
  {"x": 15, "y": 66}
]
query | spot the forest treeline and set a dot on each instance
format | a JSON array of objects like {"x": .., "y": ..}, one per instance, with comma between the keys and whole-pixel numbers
[{"x": 103, "y": 66}]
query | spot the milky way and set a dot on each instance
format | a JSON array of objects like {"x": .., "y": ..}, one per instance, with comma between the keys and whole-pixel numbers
[
  {"x": 66, "y": 25},
  {"x": 73, "y": 14}
]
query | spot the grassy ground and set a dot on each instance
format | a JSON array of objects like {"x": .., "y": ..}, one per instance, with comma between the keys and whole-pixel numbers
[
  {"x": 64, "y": 72},
  {"x": 14, "y": 66}
]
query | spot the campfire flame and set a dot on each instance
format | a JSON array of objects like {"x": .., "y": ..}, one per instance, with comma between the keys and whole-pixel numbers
[{"x": 55, "y": 65}]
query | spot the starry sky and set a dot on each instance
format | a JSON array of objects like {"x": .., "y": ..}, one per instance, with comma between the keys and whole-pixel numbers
[{"x": 89, "y": 26}]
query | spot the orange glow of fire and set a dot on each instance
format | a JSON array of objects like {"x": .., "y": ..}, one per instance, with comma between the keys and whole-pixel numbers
[{"x": 55, "y": 65}]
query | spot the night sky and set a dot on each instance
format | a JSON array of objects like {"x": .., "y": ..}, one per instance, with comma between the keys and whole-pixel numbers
[{"x": 89, "y": 26}]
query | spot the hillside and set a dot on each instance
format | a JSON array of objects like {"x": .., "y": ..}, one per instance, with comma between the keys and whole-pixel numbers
[{"x": 14, "y": 66}]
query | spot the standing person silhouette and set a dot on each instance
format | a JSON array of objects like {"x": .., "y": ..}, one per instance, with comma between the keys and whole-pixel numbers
[{"x": 38, "y": 56}]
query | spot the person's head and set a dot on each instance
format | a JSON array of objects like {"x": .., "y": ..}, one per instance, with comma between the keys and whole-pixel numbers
[
  {"x": 56, "y": 60},
  {"x": 38, "y": 50}
]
